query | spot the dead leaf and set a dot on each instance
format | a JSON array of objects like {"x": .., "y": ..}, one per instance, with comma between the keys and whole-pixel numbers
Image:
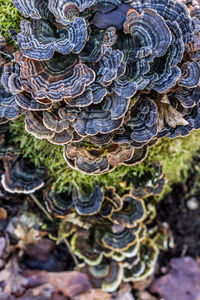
[
  {"x": 143, "y": 284},
  {"x": 43, "y": 292},
  {"x": 181, "y": 282},
  {"x": 125, "y": 293},
  {"x": 93, "y": 294},
  {"x": 40, "y": 250},
  {"x": 144, "y": 295},
  {"x": 70, "y": 284},
  {"x": 26, "y": 236},
  {"x": 167, "y": 113},
  {"x": 14, "y": 282}
]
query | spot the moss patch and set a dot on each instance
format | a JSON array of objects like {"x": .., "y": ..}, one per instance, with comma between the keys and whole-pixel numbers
[
  {"x": 9, "y": 18},
  {"x": 175, "y": 156}
]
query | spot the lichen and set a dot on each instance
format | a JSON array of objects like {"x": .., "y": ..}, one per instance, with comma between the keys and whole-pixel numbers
[{"x": 175, "y": 156}]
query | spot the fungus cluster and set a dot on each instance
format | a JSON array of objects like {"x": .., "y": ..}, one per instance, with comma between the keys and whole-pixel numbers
[
  {"x": 107, "y": 229},
  {"x": 105, "y": 79},
  {"x": 17, "y": 174},
  {"x": 108, "y": 232}
]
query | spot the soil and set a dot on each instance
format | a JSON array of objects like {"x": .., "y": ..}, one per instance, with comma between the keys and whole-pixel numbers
[{"x": 183, "y": 222}]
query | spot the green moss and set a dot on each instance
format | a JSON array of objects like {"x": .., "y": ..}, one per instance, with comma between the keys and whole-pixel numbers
[
  {"x": 9, "y": 18},
  {"x": 175, "y": 155}
]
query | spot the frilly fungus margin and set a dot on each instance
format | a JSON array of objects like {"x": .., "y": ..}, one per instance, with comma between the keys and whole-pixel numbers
[
  {"x": 175, "y": 156},
  {"x": 155, "y": 69}
]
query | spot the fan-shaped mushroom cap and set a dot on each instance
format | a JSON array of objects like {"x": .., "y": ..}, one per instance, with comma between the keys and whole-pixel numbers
[
  {"x": 62, "y": 138},
  {"x": 144, "y": 118},
  {"x": 118, "y": 237},
  {"x": 120, "y": 155},
  {"x": 150, "y": 31},
  {"x": 9, "y": 108},
  {"x": 138, "y": 156},
  {"x": 132, "y": 212},
  {"x": 143, "y": 267},
  {"x": 95, "y": 47},
  {"x": 34, "y": 125},
  {"x": 89, "y": 166},
  {"x": 39, "y": 39},
  {"x": 86, "y": 161},
  {"x": 10, "y": 78},
  {"x": 26, "y": 101},
  {"x": 99, "y": 161},
  {"x": 55, "y": 79},
  {"x": 101, "y": 139},
  {"x": 103, "y": 118},
  {"x": 65, "y": 10},
  {"x": 23, "y": 177},
  {"x": 85, "y": 249},
  {"x": 188, "y": 97},
  {"x": 57, "y": 204},
  {"x": 149, "y": 185},
  {"x": 169, "y": 10},
  {"x": 112, "y": 202},
  {"x": 106, "y": 276},
  {"x": 190, "y": 74},
  {"x": 109, "y": 66},
  {"x": 53, "y": 122},
  {"x": 9, "y": 154},
  {"x": 88, "y": 204},
  {"x": 94, "y": 94},
  {"x": 29, "y": 8}
]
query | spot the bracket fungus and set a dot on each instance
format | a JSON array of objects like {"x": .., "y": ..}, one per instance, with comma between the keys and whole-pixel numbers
[
  {"x": 127, "y": 71},
  {"x": 23, "y": 177},
  {"x": 17, "y": 174},
  {"x": 108, "y": 232}
]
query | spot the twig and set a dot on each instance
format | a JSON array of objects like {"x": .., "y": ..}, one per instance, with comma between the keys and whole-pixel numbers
[
  {"x": 70, "y": 251},
  {"x": 41, "y": 207}
]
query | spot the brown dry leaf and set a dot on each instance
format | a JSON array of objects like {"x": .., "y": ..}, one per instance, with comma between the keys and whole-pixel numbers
[
  {"x": 14, "y": 282},
  {"x": 70, "y": 284},
  {"x": 125, "y": 293},
  {"x": 93, "y": 294},
  {"x": 169, "y": 114},
  {"x": 144, "y": 295},
  {"x": 40, "y": 250},
  {"x": 173, "y": 117},
  {"x": 43, "y": 292},
  {"x": 143, "y": 284},
  {"x": 181, "y": 282},
  {"x": 26, "y": 236}
]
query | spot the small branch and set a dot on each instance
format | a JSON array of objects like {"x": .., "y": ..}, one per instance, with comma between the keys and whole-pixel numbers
[
  {"x": 41, "y": 207},
  {"x": 70, "y": 251}
]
